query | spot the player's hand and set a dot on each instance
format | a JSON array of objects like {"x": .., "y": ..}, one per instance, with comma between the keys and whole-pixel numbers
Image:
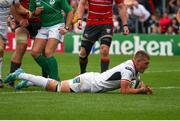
[
  {"x": 29, "y": 14},
  {"x": 79, "y": 24},
  {"x": 148, "y": 90},
  {"x": 24, "y": 23},
  {"x": 38, "y": 11},
  {"x": 11, "y": 22},
  {"x": 142, "y": 85},
  {"x": 125, "y": 30},
  {"x": 62, "y": 31}
]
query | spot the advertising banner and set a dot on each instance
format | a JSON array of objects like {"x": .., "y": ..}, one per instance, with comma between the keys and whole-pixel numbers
[
  {"x": 154, "y": 44},
  {"x": 11, "y": 44}
]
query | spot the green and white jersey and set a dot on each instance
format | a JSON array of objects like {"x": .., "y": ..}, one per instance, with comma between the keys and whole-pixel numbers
[{"x": 52, "y": 13}]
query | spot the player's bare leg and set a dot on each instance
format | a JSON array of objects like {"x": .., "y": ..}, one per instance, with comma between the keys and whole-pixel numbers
[
  {"x": 21, "y": 45},
  {"x": 104, "y": 50},
  {"x": 65, "y": 86}
]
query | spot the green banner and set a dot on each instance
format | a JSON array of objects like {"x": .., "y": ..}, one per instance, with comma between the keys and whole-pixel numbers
[{"x": 154, "y": 44}]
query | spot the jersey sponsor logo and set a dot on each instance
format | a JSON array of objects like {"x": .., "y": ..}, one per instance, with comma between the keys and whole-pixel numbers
[
  {"x": 76, "y": 80},
  {"x": 129, "y": 68},
  {"x": 108, "y": 30},
  {"x": 52, "y": 2}
]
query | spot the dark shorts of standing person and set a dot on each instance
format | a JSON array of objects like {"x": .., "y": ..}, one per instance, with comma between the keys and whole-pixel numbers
[{"x": 93, "y": 33}]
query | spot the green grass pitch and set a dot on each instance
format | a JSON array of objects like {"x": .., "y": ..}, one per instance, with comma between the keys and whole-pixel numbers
[{"x": 35, "y": 103}]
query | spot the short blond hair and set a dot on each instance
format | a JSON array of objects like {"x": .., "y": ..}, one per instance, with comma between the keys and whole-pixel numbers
[{"x": 141, "y": 55}]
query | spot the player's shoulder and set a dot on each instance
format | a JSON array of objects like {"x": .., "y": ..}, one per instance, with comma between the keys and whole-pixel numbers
[{"x": 128, "y": 66}]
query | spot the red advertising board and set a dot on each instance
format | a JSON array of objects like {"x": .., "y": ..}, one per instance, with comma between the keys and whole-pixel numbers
[{"x": 11, "y": 44}]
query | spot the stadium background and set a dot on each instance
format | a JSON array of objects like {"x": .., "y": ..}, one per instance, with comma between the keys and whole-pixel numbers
[{"x": 163, "y": 76}]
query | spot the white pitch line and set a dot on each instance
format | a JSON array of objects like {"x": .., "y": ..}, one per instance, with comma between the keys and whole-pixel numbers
[
  {"x": 167, "y": 87},
  {"x": 22, "y": 92},
  {"x": 160, "y": 71}
]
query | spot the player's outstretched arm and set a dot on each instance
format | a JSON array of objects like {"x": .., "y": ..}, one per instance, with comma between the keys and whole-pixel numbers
[
  {"x": 14, "y": 13},
  {"x": 127, "y": 89},
  {"x": 21, "y": 10},
  {"x": 18, "y": 17},
  {"x": 81, "y": 8}
]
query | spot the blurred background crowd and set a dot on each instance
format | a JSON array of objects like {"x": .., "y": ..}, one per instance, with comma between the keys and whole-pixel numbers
[{"x": 144, "y": 16}]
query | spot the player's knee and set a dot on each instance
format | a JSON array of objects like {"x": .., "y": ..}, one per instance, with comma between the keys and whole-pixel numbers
[
  {"x": 21, "y": 47},
  {"x": 86, "y": 48},
  {"x": 104, "y": 50},
  {"x": 16, "y": 58},
  {"x": 35, "y": 53},
  {"x": 48, "y": 53},
  {"x": 64, "y": 87},
  {"x": 82, "y": 53},
  {"x": 105, "y": 44},
  {"x": 52, "y": 86}
]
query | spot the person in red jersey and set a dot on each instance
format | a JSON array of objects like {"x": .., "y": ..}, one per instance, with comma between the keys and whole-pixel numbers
[
  {"x": 99, "y": 27},
  {"x": 24, "y": 28}
]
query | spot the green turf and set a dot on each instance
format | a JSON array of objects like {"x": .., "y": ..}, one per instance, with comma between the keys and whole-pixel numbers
[{"x": 34, "y": 103}]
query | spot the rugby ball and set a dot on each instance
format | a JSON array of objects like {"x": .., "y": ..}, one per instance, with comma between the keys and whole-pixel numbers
[{"x": 135, "y": 84}]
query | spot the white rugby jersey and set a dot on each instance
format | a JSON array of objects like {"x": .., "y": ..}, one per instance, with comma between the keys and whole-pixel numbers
[
  {"x": 110, "y": 79},
  {"x": 4, "y": 12}
]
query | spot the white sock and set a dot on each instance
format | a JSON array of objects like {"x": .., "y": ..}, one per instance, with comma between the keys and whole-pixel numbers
[
  {"x": 36, "y": 80},
  {"x": 1, "y": 62}
]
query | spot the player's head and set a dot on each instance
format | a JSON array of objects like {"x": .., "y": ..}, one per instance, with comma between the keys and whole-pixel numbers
[{"x": 141, "y": 60}]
